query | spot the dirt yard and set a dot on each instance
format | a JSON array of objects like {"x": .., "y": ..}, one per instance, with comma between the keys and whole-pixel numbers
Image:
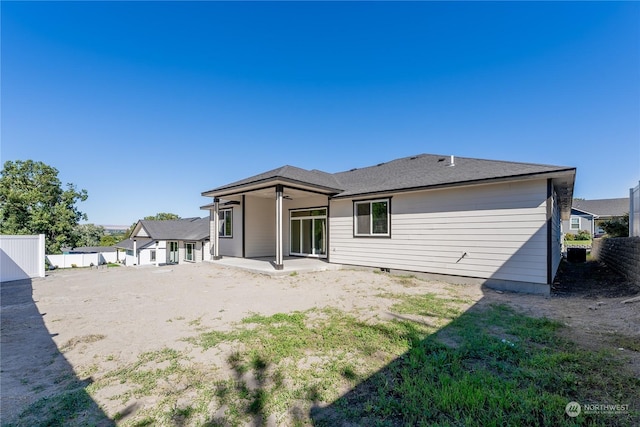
[{"x": 80, "y": 324}]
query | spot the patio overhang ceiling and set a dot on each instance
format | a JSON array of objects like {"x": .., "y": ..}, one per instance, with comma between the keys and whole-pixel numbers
[{"x": 266, "y": 188}]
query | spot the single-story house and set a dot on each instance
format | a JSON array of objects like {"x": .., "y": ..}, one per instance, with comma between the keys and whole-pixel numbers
[
  {"x": 493, "y": 220},
  {"x": 167, "y": 242},
  {"x": 588, "y": 214}
]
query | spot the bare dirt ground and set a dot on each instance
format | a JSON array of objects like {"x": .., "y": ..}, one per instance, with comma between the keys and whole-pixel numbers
[{"x": 79, "y": 324}]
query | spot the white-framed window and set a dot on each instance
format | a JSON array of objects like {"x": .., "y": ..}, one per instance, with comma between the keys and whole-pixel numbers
[
  {"x": 372, "y": 218},
  {"x": 152, "y": 255},
  {"x": 226, "y": 223},
  {"x": 575, "y": 223},
  {"x": 189, "y": 252}
]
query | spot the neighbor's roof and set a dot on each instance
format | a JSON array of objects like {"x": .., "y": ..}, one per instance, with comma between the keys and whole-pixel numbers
[
  {"x": 415, "y": 172},
  {"x": 603, "y": 207},
  {"x": 89, "y": 249},
  {"x": 179, "y": 229},
  {"x": 128, "y": 244}
]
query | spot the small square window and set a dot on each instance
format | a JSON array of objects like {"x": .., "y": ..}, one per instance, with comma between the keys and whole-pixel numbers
[{"x": 372, "y": 218}]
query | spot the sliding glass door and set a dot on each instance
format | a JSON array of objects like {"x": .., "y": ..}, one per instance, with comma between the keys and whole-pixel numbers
[{"x": 309, "y": 232}]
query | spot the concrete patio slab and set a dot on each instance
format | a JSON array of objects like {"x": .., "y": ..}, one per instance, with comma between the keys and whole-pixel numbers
[{"x": 267, "y": 265}]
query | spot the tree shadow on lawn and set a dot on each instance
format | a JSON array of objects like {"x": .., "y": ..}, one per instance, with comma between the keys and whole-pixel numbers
[
  {"x": 489, "y": 366},
  {"x": 39, "y": 386}
]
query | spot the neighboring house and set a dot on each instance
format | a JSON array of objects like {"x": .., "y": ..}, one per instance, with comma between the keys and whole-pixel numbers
[
  {"x": 494, "y": 220},
  {"x": 167, "y": 242},
  {"x": 588, "y": 214}
]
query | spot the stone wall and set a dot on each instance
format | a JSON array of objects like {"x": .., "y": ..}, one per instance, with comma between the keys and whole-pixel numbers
[{"x": 622, "y": 254}]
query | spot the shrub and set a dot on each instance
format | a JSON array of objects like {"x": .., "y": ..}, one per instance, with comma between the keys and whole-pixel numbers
[
  {"x": 74, "y": 266},
  {"x": 569, "y": 236},
  {"x": 583, "y": 235},
  {"x": 617, "y": 227}
]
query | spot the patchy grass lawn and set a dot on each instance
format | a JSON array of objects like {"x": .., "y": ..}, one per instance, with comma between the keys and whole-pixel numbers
[{"x": 431, "y": 364}]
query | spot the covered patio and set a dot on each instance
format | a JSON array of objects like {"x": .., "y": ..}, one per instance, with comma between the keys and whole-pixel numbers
[
  {"x": 272, "y": 216},
  {"x": 266, "y": 265}
]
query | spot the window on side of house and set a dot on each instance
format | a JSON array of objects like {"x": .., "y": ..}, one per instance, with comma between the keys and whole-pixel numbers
[
  {"x": 189, "y": 253},
  {"x": 371, "y": 218},
  {"x": 152, "y": 255},
  {"x": 575, "y": 223},
  {"x": 226, "y": 223}
]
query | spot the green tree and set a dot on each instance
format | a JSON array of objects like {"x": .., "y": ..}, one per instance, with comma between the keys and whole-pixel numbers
[
  {"x": 162, "y": 216},
  {"x": 617, "y": 227},
  {"x": 109, "y": 240},
  {"x": 32, "y": 201},
  {"x": 88, "y": 234}
]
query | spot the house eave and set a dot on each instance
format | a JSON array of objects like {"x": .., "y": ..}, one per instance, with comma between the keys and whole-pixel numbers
[{"x": 267, "y": 183}]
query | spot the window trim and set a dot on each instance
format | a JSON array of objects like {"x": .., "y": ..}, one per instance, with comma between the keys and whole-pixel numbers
[
  {"x": 386, "y": 235},
  {"x": 228, "y": 212},
  {"x": 571, "y": 223}
]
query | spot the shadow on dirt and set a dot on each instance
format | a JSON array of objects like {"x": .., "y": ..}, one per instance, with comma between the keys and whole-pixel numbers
[
  {"x": 592, "y": 280},
  {"x": 49, "y": 392}
]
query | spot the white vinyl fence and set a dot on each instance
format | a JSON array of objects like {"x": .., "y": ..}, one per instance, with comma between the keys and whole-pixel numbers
[
  {"x": 81, "y": 260},
  {"x": 634, "y": 211},
  {"x": 21, "y": 257}
]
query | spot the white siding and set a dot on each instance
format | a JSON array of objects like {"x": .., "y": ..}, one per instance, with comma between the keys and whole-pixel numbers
[
  {"x": 21, "y": 257},
  {"x": 232, "y": 246},
  {"x": 500, "y": 227},
  {"x": 260, "y": 227}
]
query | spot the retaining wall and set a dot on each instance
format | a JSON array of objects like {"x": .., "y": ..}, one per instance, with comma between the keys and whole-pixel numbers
[{"x": 622, "y": 254}]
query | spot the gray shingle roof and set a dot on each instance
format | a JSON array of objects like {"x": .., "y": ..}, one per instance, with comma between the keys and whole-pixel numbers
[
  {"x": 290, "y": 173},
  {"x": 128, "y": 243},
  {"x": 420, "y": 171},
  {"x": 89, "y": 249},
  {"x": 180, "y": 229},
  {"x": 427, "y": 170},
  {"x": 603, "y": 207}
]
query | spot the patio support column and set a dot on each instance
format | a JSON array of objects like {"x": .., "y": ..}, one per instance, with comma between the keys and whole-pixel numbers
[
  {"x": 216, "y": 229},
  {"x": 135, "y": 253},
  {"x": 279, "y": 258}
]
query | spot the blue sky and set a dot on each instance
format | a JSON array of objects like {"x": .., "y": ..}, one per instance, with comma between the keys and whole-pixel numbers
[{"x": 147, "y": 104}]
